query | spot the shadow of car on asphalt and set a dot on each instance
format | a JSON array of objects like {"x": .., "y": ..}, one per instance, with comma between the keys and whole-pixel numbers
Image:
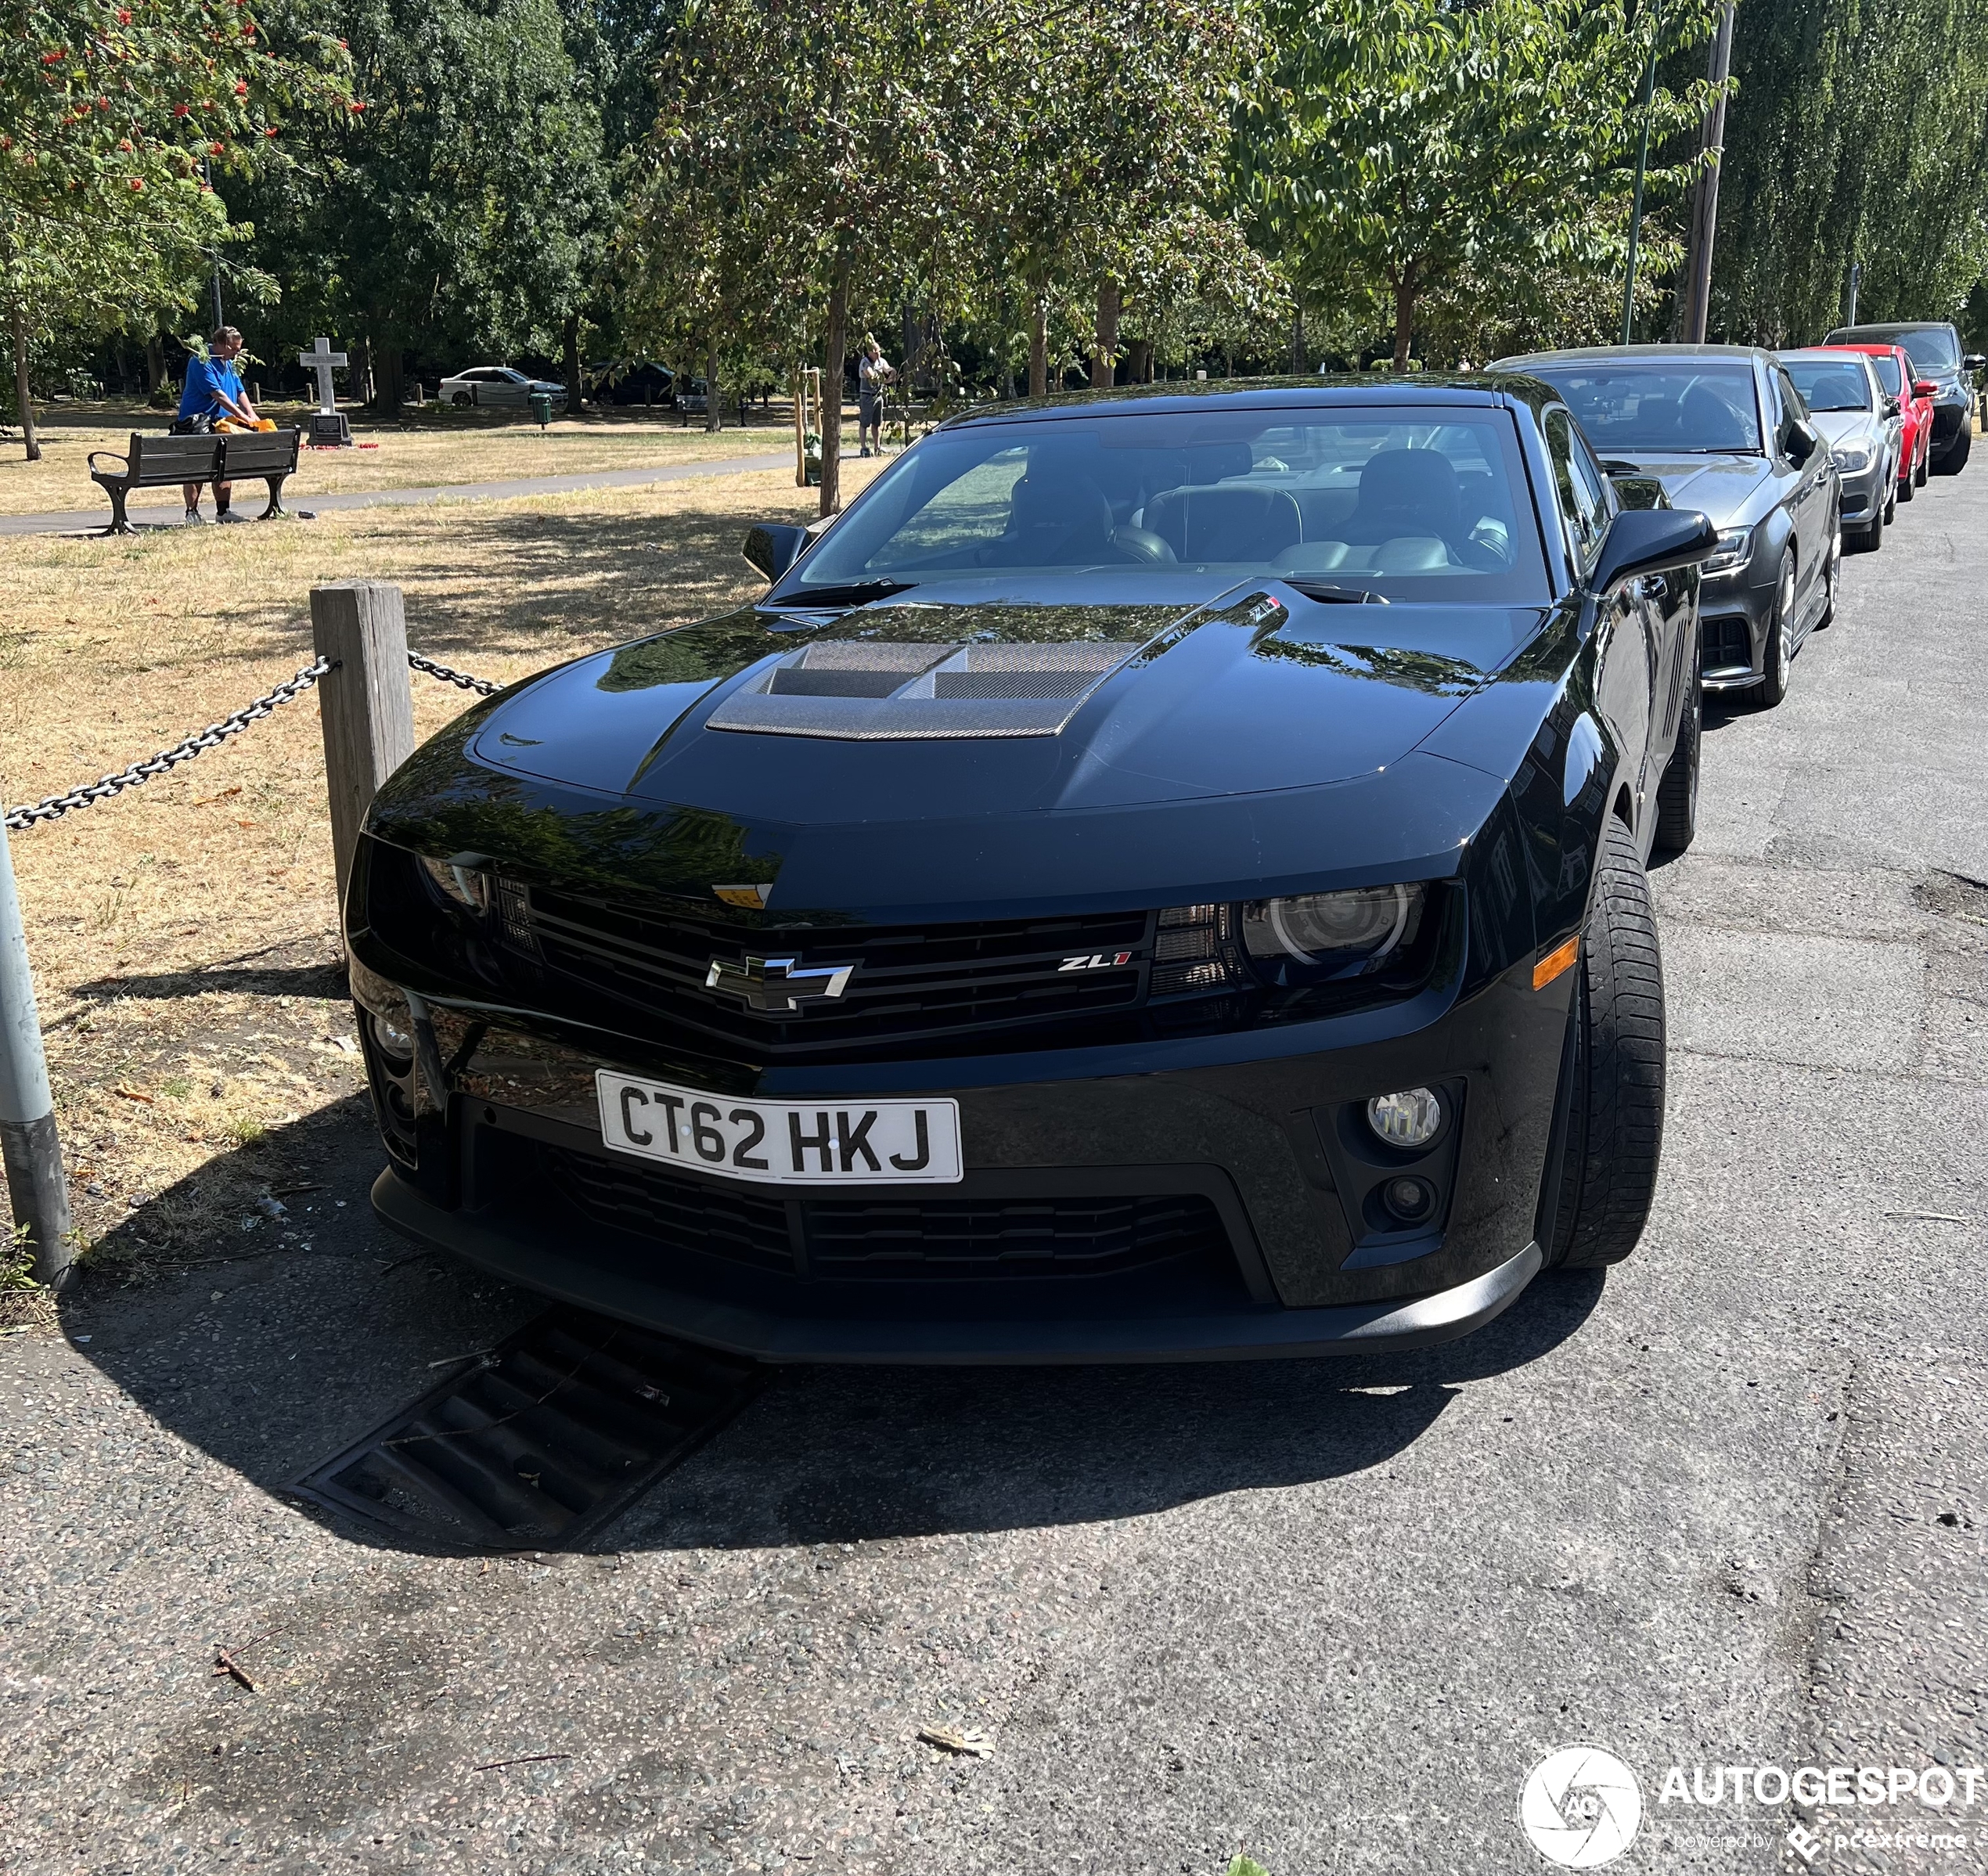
[{"x": 271, "y": 1360}]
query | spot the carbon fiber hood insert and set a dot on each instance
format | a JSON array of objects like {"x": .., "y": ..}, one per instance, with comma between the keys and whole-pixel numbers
[{"x": 870, "y": 690}]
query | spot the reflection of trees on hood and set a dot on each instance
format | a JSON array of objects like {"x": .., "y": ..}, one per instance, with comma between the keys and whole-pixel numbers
[{"x": 1426, "y": 671}]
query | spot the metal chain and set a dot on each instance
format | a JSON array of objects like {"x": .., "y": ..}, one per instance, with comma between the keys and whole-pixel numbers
[
  {"x": 482, "y": 685},
  {"x": 212, "y": 737}
]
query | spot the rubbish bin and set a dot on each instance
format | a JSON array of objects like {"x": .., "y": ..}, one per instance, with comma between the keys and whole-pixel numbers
[
  {"x": 811, "y": 457},
  {"x": 542, "y": 407}
]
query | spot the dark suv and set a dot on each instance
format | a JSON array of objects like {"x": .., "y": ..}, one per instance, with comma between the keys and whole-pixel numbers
[{"x": 1934, "y": 348}]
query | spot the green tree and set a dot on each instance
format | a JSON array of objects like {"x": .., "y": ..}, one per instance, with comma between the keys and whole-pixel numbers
[
  {"x": 112, "y": 118},
  {"x": 1400, "y": 145}
]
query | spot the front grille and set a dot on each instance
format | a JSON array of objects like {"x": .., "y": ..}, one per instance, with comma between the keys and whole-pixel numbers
[
  {"x": 1728, "y": 645},
  {"x": 908, "y": 981},
  {"x": 918, "y": 1237}
]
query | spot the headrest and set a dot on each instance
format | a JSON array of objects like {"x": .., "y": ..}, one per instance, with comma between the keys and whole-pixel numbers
[{"x": 1417, "y": 484}]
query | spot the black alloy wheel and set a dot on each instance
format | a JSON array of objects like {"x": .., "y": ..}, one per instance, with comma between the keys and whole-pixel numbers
[
  {"x": 1612, "y": 1095},
  {"x": 1677, "y": 793},
  {"x": 1776, "y": 655},
  {"x": 461, "y": 399}
]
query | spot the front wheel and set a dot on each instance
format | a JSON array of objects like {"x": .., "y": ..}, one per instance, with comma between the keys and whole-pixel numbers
[
  {"x": 1956, "y": 458},
  {"x": 1891, "y": 505},
  {"x": 1908, "y": 486},
  {"x": 1677, "y": 793},
  {"x": 1919, "y": 474},
  {"x": 1612, "y": 1100},
  {"x": 1776, "y": 656},
  {"x": 1873, "y": 537}
]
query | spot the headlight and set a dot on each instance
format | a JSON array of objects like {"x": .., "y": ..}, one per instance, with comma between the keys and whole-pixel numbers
[
  {"x": 1733, "y": 543},
  {"x": 1332, "y": 928},
  {"x": 1852, "y": 458}
]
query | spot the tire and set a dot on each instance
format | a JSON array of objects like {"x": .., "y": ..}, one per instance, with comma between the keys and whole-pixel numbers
[
  {"x": 1677, "y": 793},
  {"x": 1872, "y": 538},
  {"x": 1956, "y": 458},
  {"x": 461, "y": 399},
  {"x": 1891, "y": 505},
  {"x": 1776, "y": 656},
  {"x": 1612, "y": 1105},
  {"x": 1919, "y": 474},
  {"x": 1832, "y": 575},
  {"x": 1908, "y": 486}
]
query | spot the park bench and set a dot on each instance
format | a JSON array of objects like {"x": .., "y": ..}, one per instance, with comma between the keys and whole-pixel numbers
[{"x": 158, "y": 461}]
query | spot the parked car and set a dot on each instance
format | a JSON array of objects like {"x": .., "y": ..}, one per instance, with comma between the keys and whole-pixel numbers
[
  {"x": 1893, "y": 366},
  {"x": 1864, "y": 430},
  {"x": 496, "y": 384},
  {"x": 1158, "y": 876},
  {"x": 1934, "y": 348},
  {"x": 1724, "y": 430}
]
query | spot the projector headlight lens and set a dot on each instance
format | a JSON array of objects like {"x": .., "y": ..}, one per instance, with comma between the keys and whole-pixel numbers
[
  {"x": 1410, "y": 1118},
  {"x": 1852, "y": 458},
  {"x": 1332, "y": 927},
  {"x": 1732, "y": 548}
]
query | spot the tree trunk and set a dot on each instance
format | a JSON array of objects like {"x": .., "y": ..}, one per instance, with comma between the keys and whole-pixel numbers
[
  {"x": 1405, "y": 288},
  {"x": 574, "y": 390},
  {"x": 1297, "y": 337},
  {"x": 1038, "y": 342},
  {"x": 834, "y": 344},
  {"x": 714, "y": 410},
  {"x": 360, "y": 379},
  {"x": 155, "y": 364},
  {"x": 1138, "y": 361},
  {"x": 390, "y": 383},
  {"x": 1104, "y": 354},
  {"x": 24, "y": 397}
]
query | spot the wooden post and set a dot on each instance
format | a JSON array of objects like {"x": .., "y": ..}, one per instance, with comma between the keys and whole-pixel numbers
[
  {"x": 367, "y": 701},
  {"x": 800, "y": 428},
  {"x": 28, "y": 1141}
]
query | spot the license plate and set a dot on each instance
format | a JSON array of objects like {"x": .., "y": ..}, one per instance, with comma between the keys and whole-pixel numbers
[{"x": 832, "y": 1142}]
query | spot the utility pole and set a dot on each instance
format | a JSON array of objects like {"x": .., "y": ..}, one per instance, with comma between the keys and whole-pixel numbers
[
  {"x": 28, "y": 1141},
  {"x": 1642, "y": 164},
  {"x": 1704, "y": 198}
]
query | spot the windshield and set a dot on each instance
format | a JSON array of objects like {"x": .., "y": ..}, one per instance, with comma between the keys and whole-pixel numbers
[
  {"x": 1886, "y": 365},
  {"x": 1407, "y": 504},
  {"x": 1934, "y": 351},
  {"x": 1830, "y": 385},
  {"x": 1629, "y": 409}
]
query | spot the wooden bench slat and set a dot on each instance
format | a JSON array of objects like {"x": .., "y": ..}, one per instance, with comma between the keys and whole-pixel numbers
[{"x": 158, "y": 462}]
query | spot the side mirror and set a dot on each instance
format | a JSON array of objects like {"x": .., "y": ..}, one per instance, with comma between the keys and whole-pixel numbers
[
  {"x": 1652, "y": 540},
  {"x": 773, "y": 547},
  {"x": 1924, "y": 388},
  {"x": 1974, "y": 360},
  {"x": 1800, "y": 443},
  {"x": 1893, "y": 408}
]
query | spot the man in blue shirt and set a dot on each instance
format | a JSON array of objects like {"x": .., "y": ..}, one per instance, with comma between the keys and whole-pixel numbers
[{"x": 214, "y": 396}]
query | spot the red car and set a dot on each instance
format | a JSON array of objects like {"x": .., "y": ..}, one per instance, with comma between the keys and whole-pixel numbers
[{"x": 1915, "y": 396}]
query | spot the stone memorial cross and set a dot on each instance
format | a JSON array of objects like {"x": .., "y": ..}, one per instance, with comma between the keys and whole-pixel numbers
[{"x": 322, "y": 359}]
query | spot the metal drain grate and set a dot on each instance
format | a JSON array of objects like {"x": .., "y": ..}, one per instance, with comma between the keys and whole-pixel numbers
[{"x": 542, "y": 1441}]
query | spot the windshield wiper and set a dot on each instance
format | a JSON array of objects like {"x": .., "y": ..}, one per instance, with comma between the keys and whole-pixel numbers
[
  {"x": 1338, "y": 596},
  {"x": 854, "y": 592}
]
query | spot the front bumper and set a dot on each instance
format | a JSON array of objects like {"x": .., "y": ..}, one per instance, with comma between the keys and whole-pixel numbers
[
  {"x": 1197, "y": 1197},
  {"x": 1733, "y": 610},
  {"x": 1865, "y": 493}
]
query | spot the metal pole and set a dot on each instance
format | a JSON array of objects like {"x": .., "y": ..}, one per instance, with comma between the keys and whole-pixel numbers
[
  {"x": 33, "y": 1152},
  {"x": 1857, "y": 277},
  {"x": 1704, "y": 200},
  {"x": 1642, "y": 164}
]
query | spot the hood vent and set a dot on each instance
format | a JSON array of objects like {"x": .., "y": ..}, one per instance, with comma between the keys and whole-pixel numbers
[{"x": 865, "y": 691}]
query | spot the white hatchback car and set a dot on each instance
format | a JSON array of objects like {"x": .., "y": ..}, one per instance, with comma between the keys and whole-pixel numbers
[{"x": 495, "y": 384}]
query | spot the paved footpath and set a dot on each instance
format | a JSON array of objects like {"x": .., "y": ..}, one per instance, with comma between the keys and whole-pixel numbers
[
  {"x": 94, "y": 520},
  {"x": 1725, "y": 1508}
]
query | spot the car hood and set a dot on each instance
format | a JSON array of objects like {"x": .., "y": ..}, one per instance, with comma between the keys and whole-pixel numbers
[
  {"x": 1262, "y": 689},
  {"x": 1718, "y": 486},
  {"x": 1847, "y": 425},
  {"x": 1262, "y": 735}
]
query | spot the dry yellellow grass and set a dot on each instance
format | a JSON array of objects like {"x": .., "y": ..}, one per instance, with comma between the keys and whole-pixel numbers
[
  {"x": 420, "y": 450},
  {"x": 184, "y": 934}
]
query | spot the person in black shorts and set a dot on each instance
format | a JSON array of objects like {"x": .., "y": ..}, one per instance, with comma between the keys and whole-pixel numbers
[{"x": 872, "y": 375}]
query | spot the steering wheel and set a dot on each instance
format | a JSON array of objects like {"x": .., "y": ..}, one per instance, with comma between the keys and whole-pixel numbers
[{"x": 1141, "y": 544}]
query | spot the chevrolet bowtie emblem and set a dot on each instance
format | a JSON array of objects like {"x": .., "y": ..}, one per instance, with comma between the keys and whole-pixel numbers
[{"x": 777, "y": 985}]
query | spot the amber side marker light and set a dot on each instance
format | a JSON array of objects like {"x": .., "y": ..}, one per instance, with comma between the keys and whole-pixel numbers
[{"x": 1556, "y": 963}]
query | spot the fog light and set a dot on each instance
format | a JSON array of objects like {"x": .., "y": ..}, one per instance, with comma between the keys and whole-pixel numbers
[
  {"x": 1410, "y": 1118},
  {"x": 394, "y": 1041},
  {"x": 1410, "y": 1200}
]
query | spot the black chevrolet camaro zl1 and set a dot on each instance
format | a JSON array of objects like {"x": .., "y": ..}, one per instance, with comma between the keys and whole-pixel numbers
[{"x": 1160, "y": 877}]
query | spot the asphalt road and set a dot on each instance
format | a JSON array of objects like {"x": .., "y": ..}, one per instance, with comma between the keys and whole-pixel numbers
[{"x": 1727, "y": 1507}]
